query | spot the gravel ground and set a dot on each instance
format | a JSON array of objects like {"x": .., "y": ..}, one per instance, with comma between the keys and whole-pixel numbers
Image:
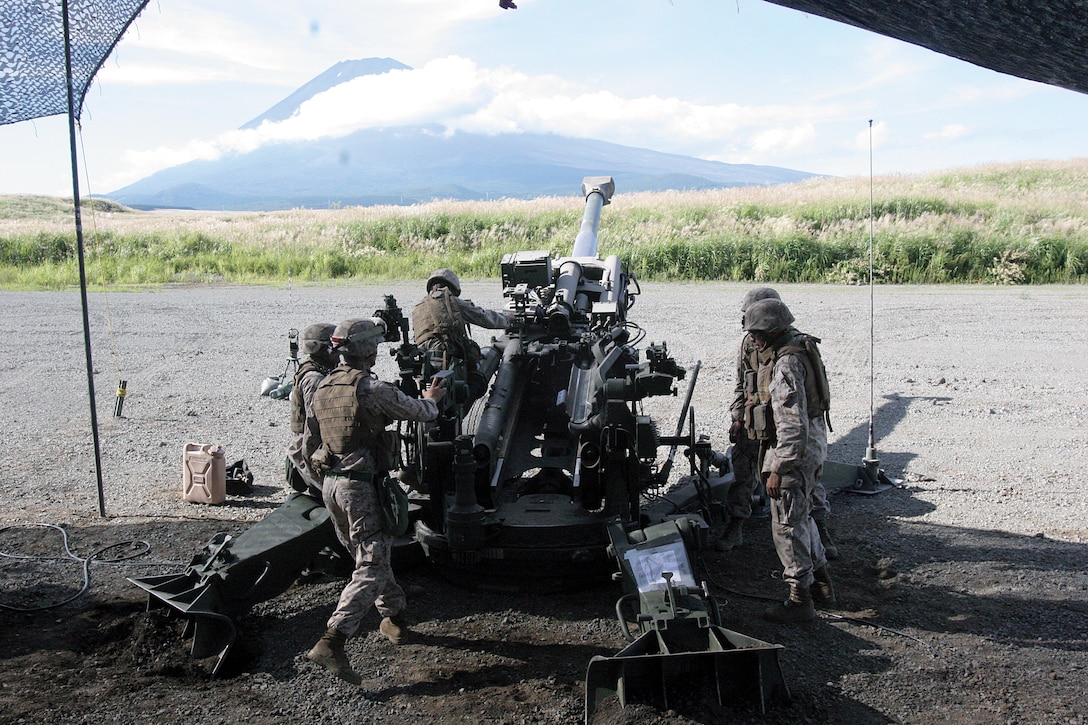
[{"x": 975, "y": 566}]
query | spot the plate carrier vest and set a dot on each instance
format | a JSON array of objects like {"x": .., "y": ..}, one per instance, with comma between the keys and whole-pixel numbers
[
  {"x": 758, "y": 420},
  {"x": 438, "y": 317},
  {"x": 298, "y": 407},
  {"x": 336, "y": 407}
]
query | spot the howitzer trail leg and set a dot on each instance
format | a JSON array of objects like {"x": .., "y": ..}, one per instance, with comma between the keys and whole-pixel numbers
[{"x": 232, "y": 574}]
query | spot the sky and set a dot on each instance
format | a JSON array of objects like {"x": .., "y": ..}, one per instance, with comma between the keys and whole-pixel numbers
[{"x": 737, "y": 81}]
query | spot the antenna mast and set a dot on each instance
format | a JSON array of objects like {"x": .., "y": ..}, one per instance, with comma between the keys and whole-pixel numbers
[{"x": 871, "y": 462}]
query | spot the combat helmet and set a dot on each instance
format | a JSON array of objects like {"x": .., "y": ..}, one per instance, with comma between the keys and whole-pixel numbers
[
  {"x": 447, "y": 277},
  {"x": 755, "y": 295},
  {"x": 358, "y": 337},
  {"x": 316, "y": 337},
  {"x": 769, "y": 316}
]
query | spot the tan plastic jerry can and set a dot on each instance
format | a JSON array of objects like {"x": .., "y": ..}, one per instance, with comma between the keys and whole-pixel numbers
[{"x": 204, "y": 473}]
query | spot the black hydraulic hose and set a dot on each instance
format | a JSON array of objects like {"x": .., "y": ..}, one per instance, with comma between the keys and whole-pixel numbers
[{"x": 96, "y": 556}]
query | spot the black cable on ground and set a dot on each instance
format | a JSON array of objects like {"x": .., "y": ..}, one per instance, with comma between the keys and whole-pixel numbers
[
  {"x": 97, "y": 556},
  {"x": 718, "y": 585},
  {"x": 874, "y": 625}
]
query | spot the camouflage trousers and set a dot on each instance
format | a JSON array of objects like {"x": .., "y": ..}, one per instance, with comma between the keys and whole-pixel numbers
[
  {"x": 353, "y": 506},
  {"x": 745, "y": 458},
  {"x": 796, "y": 538},
  {"x": 820, "y": 506},
  {"x": 746, "y": 463}
]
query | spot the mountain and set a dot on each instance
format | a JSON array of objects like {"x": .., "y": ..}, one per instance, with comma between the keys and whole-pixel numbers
[
  {"x": 343, "y": 71},
  {"x": 412, "y": 164}
]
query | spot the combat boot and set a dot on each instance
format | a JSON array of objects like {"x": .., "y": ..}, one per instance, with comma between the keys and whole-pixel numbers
[
  {"x": 733, "y": 536},
  {"x": 823, "y": 591},
  {"x": 394, "y": 628},
  {"x": 830, "y": 550},
  {"x": 797, "y": 608},
  {"x": 329, "y": 653}
]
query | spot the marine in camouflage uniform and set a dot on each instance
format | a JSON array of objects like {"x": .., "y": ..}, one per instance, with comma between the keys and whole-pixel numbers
[
  {"x": 796, "y": 449},
  {"x": 746, "y": 451},
  {"x": 440, "y": 326},
  {"x": 316, "y": 344},
  {"x": 745, "y": 454},
  {"x": 352, "y": 409}
]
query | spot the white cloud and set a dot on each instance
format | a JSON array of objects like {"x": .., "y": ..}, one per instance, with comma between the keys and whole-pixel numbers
[
  {"x": 771, "y": 141},
  {"x": 949, "y": 132},
  {"x": 154, "y": 75},
  {"x": 457, "y": 95},
  {"x": 441, "y": 90},
  {"x": 244, "y": 38},
  {"x": 138, "y": 164}
]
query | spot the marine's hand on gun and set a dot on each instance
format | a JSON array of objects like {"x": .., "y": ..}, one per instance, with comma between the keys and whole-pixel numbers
[{"x": 436, "y": 390}]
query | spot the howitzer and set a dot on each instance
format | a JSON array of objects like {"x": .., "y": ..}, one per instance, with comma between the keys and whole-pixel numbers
[
  {"x": 539, "y": 474},
  {"x": 518, "y": 493}
]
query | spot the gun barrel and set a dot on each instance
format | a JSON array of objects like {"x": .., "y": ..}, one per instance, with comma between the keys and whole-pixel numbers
[
  {"x": 597, "y": 191},
  {"x": 494, "y": 415}
]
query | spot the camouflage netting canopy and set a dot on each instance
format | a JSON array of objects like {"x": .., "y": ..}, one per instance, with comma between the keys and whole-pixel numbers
[
  {"x": 33, "y": 76},
  {"x": 1041, "y": 40}
]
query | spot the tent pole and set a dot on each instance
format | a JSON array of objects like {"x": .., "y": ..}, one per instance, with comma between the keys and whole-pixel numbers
[{"x": 79, "y": 249}]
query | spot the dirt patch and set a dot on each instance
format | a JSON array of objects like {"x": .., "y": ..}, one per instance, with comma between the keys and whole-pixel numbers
[{"x": 936, "y": 624}]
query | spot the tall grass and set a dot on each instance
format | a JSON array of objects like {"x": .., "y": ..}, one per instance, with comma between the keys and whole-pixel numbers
[{"x": 1005, "y": 224}]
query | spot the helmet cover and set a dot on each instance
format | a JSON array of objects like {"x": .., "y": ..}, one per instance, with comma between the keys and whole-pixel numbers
[
  {"x": 358, "y": 337},
  {"x": 447, "y": 277},
  {"x": 755, "y": 294},
  {"x": 316, "y": 336},
  {"x": 769, "y": 316}
]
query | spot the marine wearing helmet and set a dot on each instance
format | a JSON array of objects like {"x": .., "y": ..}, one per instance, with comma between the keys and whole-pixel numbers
[
  {"x": 767, "y": 318},
  {"x": 357, "y": 339},
  {"x": 356, "y": 451},
  {"x": 440, "y": 324},
  {"x": 317, "y": 337},
  {"x": 746, "y": 486},
  {"x": 786, "y": 411},
  {"x": 316, "y": 344},
  {"x": 755, "y": 295},
  {"x": 445, "y": 277}
]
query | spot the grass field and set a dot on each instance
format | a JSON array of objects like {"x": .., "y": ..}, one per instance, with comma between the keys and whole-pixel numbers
[{"x": 1024, "y": 223}]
